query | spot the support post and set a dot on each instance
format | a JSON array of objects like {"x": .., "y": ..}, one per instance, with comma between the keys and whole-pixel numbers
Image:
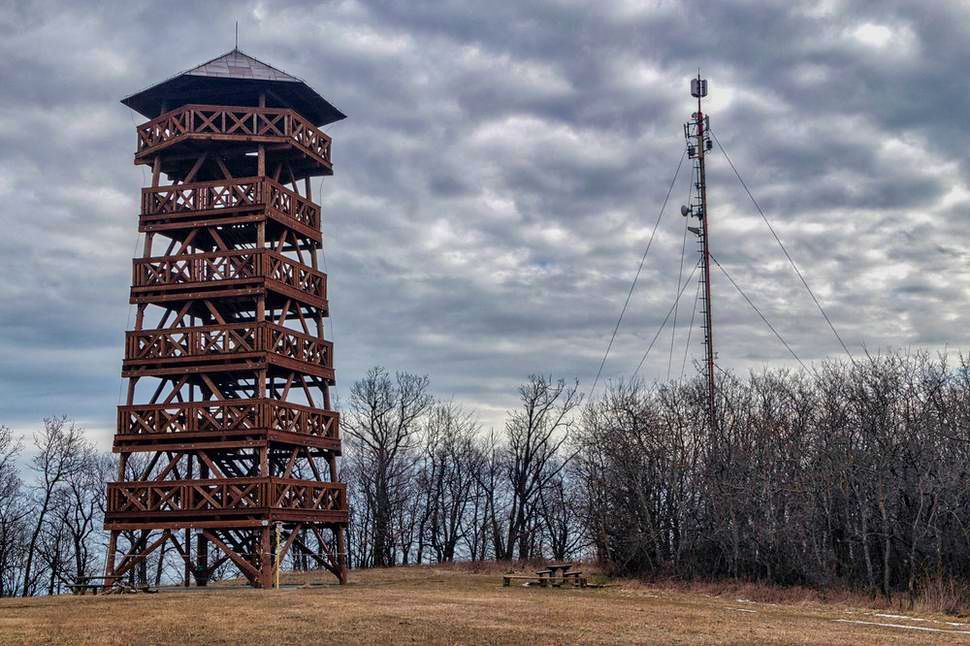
[
  {"x": 341, "y": 554},
  {"x": 201, "y": 560},
  {"x": 188, "y": 556},
  {"x": 109, "y": 561},
  {"x": 265, "y": 558},
  {"x": 277, "y": 556}
]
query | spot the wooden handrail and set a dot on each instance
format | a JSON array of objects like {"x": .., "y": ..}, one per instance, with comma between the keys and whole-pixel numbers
[
  {"x": 265, "y": 263},
  {"x": 262, "y": 197},
  {"x": 197, "y": 341},
  {"x": 231, "y": 121},
  {"x": 234, "y": 414},
  {"x": 230, "y": 326},
  {"x": 261, "y": 492},
  {"x": 214, "y": 403}
]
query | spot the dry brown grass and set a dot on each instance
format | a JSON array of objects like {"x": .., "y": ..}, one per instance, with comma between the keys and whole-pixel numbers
[{"x": 463, "y": 604}]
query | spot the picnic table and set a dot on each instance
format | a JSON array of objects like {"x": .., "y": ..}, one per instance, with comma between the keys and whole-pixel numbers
[
  {"x": 554, "y": 574},
  {"x": 85, "y": 584},
  {"x": 109, "y": 584},
  {"x": 558, "y": 570}
]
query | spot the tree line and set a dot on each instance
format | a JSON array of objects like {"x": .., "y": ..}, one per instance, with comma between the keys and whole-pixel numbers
[
  {"x": 856, "y": 474},
  {"x": 852, "y": 474},
  {"x": 428, "y": 484}
]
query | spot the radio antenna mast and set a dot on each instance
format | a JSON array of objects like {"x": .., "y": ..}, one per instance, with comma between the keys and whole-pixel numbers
[{"x": 696, "y": 131}]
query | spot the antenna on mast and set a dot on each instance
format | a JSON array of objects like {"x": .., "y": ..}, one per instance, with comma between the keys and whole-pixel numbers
[{"x": 697, "y": 134}]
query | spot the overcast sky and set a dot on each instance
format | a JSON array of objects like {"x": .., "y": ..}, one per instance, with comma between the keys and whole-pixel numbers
[{"x": 499, "y": 174}]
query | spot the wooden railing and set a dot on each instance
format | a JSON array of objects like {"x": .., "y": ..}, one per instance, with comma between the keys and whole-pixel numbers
[
  {"x": 178, "y": 343},
  {"x": 233, "y": 123},
  {"x": 308, "y": 495},
  {"x": 228, "y": 417},
  {"x": 292, "y": 204},
  {"x": 167, "y": 271},
  {"x": 233, "y": 495},
  {"x": 296, "y": 345},
  {"x": 227, "y": 194},
  {"x": 197, "y": 268},
  {"x": 220, "y": 340},
  {"x": 295, "y": 274}
]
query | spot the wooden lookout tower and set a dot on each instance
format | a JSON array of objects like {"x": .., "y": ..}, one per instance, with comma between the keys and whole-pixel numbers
[{"x": 227, "y": 440}]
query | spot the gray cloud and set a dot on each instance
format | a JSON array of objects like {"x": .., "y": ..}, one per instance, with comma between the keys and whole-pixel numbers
[{"x": 499, "y": 175}]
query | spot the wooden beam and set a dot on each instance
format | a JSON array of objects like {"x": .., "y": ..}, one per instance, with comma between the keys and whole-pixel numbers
[
  {"x": 212, "y": 387},
  {"x": 125, "y": 566},
  {"x": 225, "y": 169},
  {"x": 247, "y": 568},
  {"x": 282, "y": 551},
  {"x": 195, "y": 168}
]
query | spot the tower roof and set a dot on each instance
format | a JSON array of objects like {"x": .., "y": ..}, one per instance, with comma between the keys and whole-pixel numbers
[{"x": 234, "y": 78}]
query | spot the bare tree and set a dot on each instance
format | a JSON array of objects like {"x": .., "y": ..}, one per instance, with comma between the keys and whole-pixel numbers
[
  {"x": 62, "y": 452},
  {"x": 383, "y": 422},
  {"x": 448, "y": 478},
  {"x": 13, "y": 513},
  {"x": 83, "y": 511},
  {"x": 489, "y": 519},
  {"x": 535, "y": 433}
]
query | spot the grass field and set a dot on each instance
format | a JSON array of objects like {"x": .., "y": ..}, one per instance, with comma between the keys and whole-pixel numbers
[{"x": 456, "y": 606}]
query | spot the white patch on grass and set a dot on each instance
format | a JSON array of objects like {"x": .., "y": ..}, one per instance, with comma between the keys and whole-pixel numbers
[
  {"x": 884, "y": 616},
  {"x": 923, "y": 628},
  {"x": 935, "y": 621}
]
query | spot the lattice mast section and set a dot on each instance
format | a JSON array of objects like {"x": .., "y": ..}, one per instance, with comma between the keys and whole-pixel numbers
[
  {"x": 227, "y": 441},
  {"x": 697, "y": 133}
]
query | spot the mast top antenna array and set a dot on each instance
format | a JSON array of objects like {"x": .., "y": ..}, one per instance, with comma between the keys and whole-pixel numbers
[{"x": 698, "y": 87}]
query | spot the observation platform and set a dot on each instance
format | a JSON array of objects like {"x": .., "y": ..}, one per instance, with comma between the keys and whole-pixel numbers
[
  {"x": 223, "y": 423},
  {"x": 224, "y": 503},
  {"x": 241, "y": 272},
  {"x": 183, "y": 207},
  {"x": 220, "y": 348},
  {"x": 231, "y": 131}
]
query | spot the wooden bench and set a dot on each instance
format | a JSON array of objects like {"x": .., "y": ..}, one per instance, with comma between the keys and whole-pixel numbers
[{"x": 508, "y": 578}]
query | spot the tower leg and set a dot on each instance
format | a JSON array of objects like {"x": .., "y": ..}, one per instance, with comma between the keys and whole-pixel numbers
[
  {"x": 109, "y": 561},
  {"x": 202, "y": 560},
  {"x": 187, "y": 543},
  {"x": 341, "y": 555},
  {"x": 266, "y": 560}
]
